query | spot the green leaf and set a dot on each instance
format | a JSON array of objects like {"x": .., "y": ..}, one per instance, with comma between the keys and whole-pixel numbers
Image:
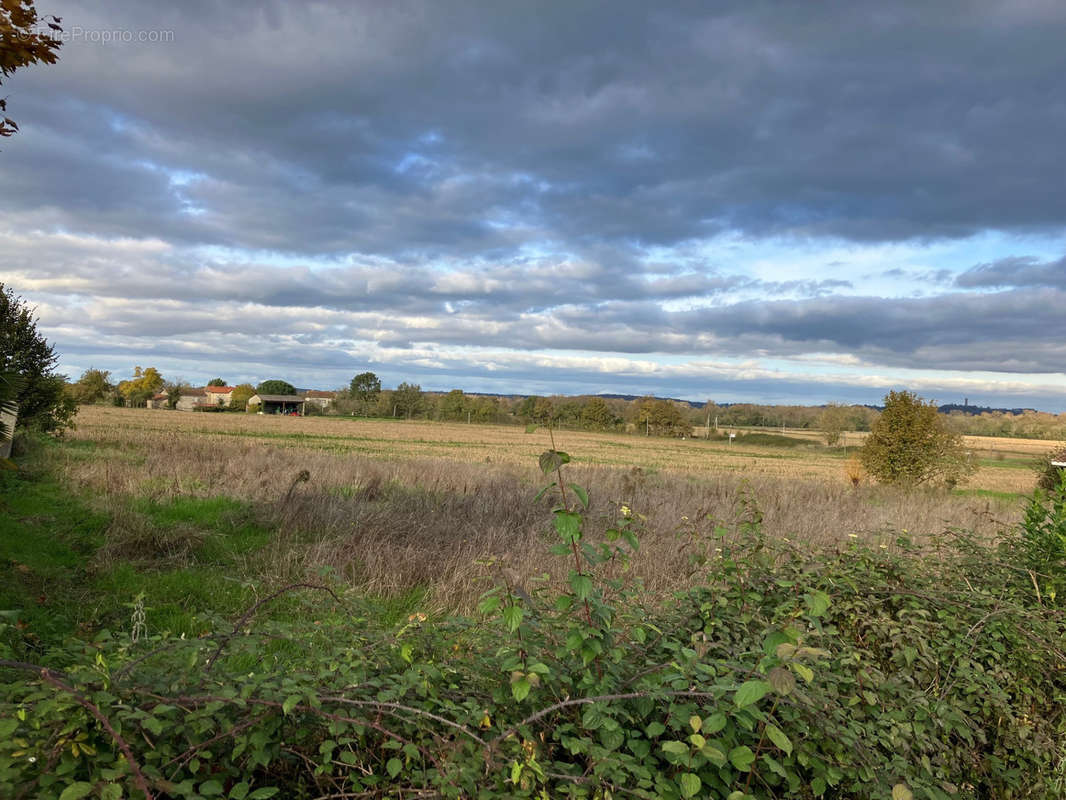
[
  {"x": 568, "y": 525},
  {"x": 520, "y": 689},
  {"x": 778, "y": 737},
  {"x": 774, "y": 765},
  {"x": 76, "y": 790},
  {"x": 152, "y": 725},
  {"x": 818, "y": 786},
  {"x": 290, "y": 703},
  {"x": 714, "y": 723},
  {"x": 111, "y": 792},
  {"x": 714, "y": 754},
  {"x": 742, "y": 758},
  {"x": 582, "y": 495},
  {"x": 654, "y": 729},
  {"x": 512, "y": 617},
  {"x": 675, "y": 748},
  {"x": 544, "y": 491},
  {"x": 551, "y": 460},
  {"x": 488, "y": 604},
  {"x": 817, "y": 602},
  {"x": 263, "y": 793},
  {"x": 751, "y": 692},
  {"x": 803, "y": 671},
  {"x": 211, "y": 788},
  {"x": 239, "y": 791},
  {"x": 581, "y": 585},
  {"x": 901, "y": 792},
  {"x": 690, "y": 784},
  {"x": 8, "y": 727},
  {"x": 393, "y": 767}
]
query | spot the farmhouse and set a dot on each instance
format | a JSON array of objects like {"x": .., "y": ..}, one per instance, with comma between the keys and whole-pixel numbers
[
  {"x": 320, "y": 399},
  {"x": 276, "y": 403},
  {"x": 189, "y": 399},
  {"x": 158, "y": 400},
  {"x": 218, "y": 395}
]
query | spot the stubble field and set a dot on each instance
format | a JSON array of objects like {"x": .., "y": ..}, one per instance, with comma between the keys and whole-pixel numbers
[{"x": 391, "y": 505}]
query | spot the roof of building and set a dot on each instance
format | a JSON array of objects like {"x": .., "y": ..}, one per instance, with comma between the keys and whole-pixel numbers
[
  {"x": 319, "y": 393},
  {"x": 277, "y": 398},
  {"x": 160, "y": 396},
  {"x": 218, "y": 389}
]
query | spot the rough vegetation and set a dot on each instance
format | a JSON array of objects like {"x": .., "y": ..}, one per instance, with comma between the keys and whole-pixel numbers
[{"x": 778, "y": 670}]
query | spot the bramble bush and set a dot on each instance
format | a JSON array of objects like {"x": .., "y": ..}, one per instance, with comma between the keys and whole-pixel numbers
[{"x": 859, "y": 672}]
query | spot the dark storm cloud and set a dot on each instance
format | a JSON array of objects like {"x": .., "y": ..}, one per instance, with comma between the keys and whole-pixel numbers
[
  {"x": 1018, "y": 271},
  {"x": 422, "y": 130}
]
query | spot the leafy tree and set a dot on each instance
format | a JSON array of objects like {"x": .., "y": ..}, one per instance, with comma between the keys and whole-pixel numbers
[
  {"x": 141, "y": 387},
  {"x": 22, "y": 44},
  {"x": 408, "y": 399},
  {"x": 911, "y": 445},
  {"x": 366, "y": 386},
  {"x": 275, "y": 386},
  {"x": 596, "y": 414},
  {"x": 453, "y": 405},
  {"x": 833, "y": 421},
  {"x": 216, "y": 382},
  {"x": 94, "y": 386},
  {"x": 662, "y": 418},
  {"x": 543, "y": 410},
  {"x": 238, "y": 399},
  {"x": 42, "y": 401}
]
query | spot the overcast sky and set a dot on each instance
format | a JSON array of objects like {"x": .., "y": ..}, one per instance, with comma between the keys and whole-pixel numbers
[{"x": 767, "y": 202}]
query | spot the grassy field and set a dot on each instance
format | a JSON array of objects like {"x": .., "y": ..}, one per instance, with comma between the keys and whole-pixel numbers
[{"x": 196, "y": 509}]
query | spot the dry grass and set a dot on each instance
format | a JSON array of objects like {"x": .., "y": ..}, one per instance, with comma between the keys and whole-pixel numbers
[
  {"x": 390, "y": 506},
  {"x": 1005, "y": 470}
]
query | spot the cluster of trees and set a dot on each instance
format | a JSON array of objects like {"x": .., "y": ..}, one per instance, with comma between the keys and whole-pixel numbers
[{"x": 1026, "y": 424}]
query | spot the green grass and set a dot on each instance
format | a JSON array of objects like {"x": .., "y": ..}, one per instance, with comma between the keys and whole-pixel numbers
[
  {"x": 46, "y": 538},
  {"x": 1005, "y": 497},
  {"x": 771, "y": 440},
  {"x": 74, "y": 570},
  {"x": 52, "y": 542}
]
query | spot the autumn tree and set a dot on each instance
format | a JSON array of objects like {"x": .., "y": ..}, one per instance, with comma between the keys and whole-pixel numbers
[
  {"x": 94, "y": 386},
  {"x": 911, "y": 445},
  {"x": 144, "y": 384},
  {"x": 22, "y": 43},
  {"x": 662, "y": 418},
  {"x": 596, "y": 414},
  {"x": 41, "y": 396},
  {"x": 238, "y": 399}
]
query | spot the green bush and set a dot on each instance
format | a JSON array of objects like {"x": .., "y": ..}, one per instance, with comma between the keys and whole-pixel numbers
[{"x": 859, "y": 673}]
